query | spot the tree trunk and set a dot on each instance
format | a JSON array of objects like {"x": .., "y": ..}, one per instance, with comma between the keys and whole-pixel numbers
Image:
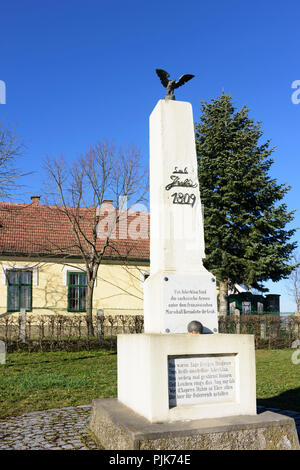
[
  {"x": 223, "y": 296},
  {"x": 89, "y": 307},
  {"x": 100, "y": 332}
]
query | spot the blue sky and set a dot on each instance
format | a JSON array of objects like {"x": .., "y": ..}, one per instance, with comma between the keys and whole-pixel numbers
[{"x": 78, "y": 71}]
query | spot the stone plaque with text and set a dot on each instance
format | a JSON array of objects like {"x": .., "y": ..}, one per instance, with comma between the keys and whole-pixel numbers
[
  {"x": 188, "y": 298},
  {"x": 201, "y": 379}
]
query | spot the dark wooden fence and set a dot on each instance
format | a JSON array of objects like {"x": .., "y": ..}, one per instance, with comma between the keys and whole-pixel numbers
[{"x": 53, "y": 332}]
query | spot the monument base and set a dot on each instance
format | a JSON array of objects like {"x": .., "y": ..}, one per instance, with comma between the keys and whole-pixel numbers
[
  {"x": 182, "y": 376},
  {"x": 116, "y": 427}
]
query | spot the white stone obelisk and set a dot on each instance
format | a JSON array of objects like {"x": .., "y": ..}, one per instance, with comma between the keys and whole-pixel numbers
[
  {"x": 179, "y": 288},
  {"x": 167, "y": 374}
]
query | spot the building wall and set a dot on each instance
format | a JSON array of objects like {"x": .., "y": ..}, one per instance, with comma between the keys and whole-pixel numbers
[{"x": 118, "y": 290}]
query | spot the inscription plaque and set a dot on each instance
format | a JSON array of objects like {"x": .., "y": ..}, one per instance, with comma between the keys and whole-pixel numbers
[
  {"x": 201, "y": 379},
  {"x": 190, "y": 298}
]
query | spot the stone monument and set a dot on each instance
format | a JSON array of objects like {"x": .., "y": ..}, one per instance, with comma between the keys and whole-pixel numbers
[{"x": 178, "y": 390}]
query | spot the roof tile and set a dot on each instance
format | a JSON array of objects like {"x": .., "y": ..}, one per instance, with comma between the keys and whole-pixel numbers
[{"x": 36, "y": 229}]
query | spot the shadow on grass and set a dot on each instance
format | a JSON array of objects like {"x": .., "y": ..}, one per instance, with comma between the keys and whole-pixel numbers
[{"x": 289, "y": 400}]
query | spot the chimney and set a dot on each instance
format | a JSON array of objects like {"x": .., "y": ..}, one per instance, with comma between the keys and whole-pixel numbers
[
  {"x": 35, "y": 200},
  {"x": 107, "y": 204}
]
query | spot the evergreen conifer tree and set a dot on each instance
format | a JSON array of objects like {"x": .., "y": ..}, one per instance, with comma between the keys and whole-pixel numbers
[{"x": 246, "y": 239}]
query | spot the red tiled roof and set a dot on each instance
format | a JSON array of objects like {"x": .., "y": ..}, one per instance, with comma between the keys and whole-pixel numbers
[{"x": 44, "y": 230}]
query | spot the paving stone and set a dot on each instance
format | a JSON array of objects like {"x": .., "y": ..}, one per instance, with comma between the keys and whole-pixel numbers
[{"x": 55, "y": 429}]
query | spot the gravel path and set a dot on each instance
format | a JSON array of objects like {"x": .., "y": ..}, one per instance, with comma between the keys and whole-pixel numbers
[{"x": 65, "y": 429}]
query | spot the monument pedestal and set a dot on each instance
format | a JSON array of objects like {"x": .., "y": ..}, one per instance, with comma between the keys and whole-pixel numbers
[
  {"x": 116, "y": 427},
  {"x": 188, "y": 392},
  {"x": 184, "y": 376}
]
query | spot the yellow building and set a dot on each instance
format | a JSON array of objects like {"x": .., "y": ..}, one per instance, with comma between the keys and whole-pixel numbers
[{"x": 42, "y": 269}]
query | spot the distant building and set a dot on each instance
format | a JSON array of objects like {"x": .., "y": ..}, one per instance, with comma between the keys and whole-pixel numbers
[
  {"x": 248, "y": 303},
  {"x": 42, "y": 270}
]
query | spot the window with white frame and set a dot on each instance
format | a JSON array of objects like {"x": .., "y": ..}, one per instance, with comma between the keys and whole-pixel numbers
[
  {"x": 19, "y": 290},
  {"x": 77, "y": 287}
]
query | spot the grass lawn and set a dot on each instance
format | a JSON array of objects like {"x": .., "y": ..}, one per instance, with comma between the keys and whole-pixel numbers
[
  {"x": 37, "y": 381},
  {"x": 44, "y": 380},
  {"x": 277, "y": 379}
]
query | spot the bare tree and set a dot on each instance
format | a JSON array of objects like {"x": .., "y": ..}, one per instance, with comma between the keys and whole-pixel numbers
[
  {"x": 10, "y": 148},
  {"x": 79, "y": 192},
  {"x": 294, "y": 285}
]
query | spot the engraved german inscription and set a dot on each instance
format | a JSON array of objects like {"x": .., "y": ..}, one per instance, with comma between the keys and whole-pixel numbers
[{"x": 201, "y": 379}]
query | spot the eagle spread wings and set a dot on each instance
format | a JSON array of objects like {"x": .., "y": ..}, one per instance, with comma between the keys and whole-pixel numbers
[{"x": 164, "y": 78}]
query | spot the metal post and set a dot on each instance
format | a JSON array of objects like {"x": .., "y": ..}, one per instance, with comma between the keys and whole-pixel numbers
[
  {"x": 2, "y": 352},
  {"x": 237, "y": 315},
  {"x": 263, "y": 327}
]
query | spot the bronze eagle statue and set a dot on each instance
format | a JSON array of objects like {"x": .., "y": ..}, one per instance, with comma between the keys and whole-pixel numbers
[{"x": 171, "y": 85}]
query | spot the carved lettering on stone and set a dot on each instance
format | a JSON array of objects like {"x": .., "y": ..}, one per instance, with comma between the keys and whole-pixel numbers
[{"x": 201, "y": 379}]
